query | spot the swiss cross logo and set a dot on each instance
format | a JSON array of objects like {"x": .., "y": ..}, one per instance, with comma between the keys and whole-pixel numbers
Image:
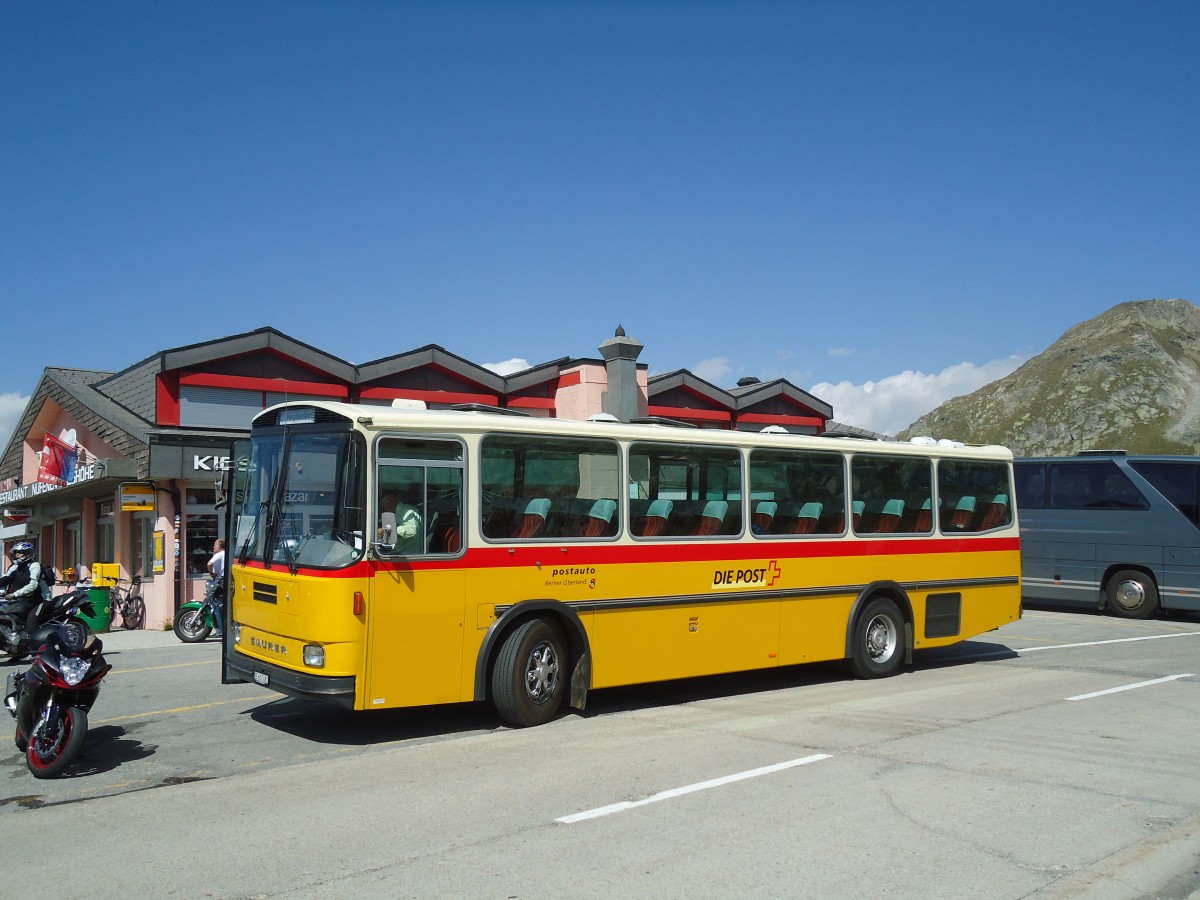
[{"x": 773, "y": 572}]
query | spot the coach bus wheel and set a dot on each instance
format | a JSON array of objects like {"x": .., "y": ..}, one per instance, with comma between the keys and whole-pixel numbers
[
  {"x": 878, "y": 643},
  {"x": 1132, "y": 595},
  {"x": 529, "y": 676}
]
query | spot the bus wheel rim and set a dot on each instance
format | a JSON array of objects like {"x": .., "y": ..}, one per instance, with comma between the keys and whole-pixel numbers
[
  {"x": 541, "y": 673},
  {"x": 881, "y": 639},
  {"x": 1130, "y": 595}
]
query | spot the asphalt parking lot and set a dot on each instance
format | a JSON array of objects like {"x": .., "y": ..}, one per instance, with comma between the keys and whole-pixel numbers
[{"x": 1053, "y": 758}]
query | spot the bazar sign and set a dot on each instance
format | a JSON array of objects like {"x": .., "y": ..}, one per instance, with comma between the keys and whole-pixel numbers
[{"x": 25, "y": 492}]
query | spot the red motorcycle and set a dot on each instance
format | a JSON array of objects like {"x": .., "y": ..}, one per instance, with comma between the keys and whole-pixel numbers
[{"x": 50, "y": 700}]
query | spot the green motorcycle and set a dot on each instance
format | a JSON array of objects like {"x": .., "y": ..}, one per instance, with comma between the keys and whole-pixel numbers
[{"x": 195, "y": 621}]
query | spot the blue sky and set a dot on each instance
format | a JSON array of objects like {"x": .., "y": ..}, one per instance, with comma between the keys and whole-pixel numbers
[{"x": 887, "y": 203}]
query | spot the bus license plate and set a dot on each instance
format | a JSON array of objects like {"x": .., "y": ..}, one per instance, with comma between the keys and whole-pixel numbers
[{"x": 262, "y": 678}]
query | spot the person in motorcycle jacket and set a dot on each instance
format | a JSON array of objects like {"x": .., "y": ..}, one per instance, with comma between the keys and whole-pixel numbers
[{"x": 24, "y": 586}]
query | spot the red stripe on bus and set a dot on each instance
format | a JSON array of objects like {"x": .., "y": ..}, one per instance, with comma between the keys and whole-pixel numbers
[{"x": 550, "y": 554}]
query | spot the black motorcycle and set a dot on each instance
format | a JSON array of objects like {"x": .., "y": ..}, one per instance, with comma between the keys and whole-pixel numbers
[
  {"x": 15, "y": 644},
  {"x": 51, "y": 699}
]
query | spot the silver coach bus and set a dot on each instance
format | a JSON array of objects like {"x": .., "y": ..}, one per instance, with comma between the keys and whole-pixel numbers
[{"x": 1117, "y": 532}]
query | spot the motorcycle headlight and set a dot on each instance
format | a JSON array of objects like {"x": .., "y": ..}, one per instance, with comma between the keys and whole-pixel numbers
[{"x": 73, "y": 669}]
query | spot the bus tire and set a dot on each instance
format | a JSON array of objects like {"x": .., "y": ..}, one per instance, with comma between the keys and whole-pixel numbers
[
  {"x": 529, "y": 677},
  {"x": 877, "y": 645},
  {"x": 1131, "y": 594}
]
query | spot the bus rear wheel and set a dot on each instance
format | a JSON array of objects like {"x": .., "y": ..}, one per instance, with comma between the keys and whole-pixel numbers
[
  {"x": 528, "y": 677},
  {"x": 1131, "y": 594},
  {"x": 878, "y": 642}
]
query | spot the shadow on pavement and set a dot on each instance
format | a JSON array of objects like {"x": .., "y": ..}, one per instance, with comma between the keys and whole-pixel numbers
[{"x": 327, "y": 724}]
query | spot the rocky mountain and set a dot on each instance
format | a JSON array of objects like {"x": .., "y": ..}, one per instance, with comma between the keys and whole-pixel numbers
[{"x": 1128, "y": 379}]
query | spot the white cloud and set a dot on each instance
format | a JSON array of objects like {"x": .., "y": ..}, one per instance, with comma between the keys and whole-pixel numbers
[
  {"x": 12, "y": 405},
  {"x": 716, "y": 371},
  {"x": 895, "y": 402},
  {"x": 839, "y": 351},
  {"x": 516, "y": 364}
]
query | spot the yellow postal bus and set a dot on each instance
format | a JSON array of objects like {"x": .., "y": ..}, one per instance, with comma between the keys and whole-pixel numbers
[{"x": 383, "y": 557}]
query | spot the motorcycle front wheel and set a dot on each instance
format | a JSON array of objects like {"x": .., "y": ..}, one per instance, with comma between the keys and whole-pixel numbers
[
  {"x": 49, "y": 754},
  {"x": 190, "y": 626}
]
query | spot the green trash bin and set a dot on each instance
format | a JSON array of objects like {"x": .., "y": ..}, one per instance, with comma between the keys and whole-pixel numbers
[{"x": 101, "y": 600}]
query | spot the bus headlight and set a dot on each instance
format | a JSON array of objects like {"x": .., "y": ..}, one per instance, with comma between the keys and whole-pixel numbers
[
  {"x": 237, "y": 632},
  {"x": 314, "y": 656}
]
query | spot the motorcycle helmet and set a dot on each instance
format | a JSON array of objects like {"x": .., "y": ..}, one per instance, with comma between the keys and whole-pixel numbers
[{"x": 22, "y": 552}]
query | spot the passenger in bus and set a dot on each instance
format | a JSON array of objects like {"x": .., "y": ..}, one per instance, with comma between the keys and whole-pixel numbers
[{"x": 400, "y": 523}]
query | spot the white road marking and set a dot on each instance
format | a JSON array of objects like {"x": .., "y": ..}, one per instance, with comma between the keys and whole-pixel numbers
[
  {"x": 1148, "y": 637},
  {"x": 689, "y": 789},
  {"x": 1130, "y": 687}
]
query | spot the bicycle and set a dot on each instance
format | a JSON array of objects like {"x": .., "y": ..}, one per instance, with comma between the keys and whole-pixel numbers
[{"x": 128, "y": 603}]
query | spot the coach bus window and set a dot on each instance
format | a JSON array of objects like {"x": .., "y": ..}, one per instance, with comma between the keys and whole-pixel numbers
[
  {"x": 797, "y": 492},
  {"x": 1179, "y": 482},
  {"x": 549, "y": 488},
  {"x": 1031, "y": 485},
  {"x": 419, "y": 496},
  {"x": 1093, "y": 485},
  {"x": 678, "y": 491},
  {"x": 973, "y": 495},
  {"x": 891, "y": 494}
]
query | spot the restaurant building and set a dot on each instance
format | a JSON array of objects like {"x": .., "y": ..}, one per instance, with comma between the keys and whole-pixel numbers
[{"x": 123, "y": 467}]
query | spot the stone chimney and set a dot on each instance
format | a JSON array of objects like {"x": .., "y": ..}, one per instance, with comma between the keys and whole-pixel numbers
[{"x": 620, "y": 360}]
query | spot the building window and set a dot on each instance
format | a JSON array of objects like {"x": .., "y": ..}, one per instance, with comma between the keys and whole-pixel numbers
[
  {"x": 273, "y": 397},
  {"x": 209, "y": 407},
  {"x": 105, "y": 533},
  {"x": 200, "y": 528},
  {"x": 72, "y": 546},
  {"x": 143, "y": 544}
]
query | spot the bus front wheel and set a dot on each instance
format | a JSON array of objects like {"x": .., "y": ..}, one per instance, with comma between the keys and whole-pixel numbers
[
  {"x": 878, "y": 642},
  {"x": 1132, "y": 595},
  {"x": 529, "y": 675}
]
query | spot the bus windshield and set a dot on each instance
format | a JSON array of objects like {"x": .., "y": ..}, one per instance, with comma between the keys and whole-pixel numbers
[{"x": 303, "y": 500}]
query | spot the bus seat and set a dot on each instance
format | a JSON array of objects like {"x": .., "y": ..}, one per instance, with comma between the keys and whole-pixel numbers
[
  {"x": 656, "y": 517},
  {"x": 889, "y": 517},
  {"x": 712, "y": 518},
  {"x": 764, "y": 515},
  {"x": 963, "y": 511},
  {"x": 533, "y": 520},
  {"x": 806, "y": 521},
  {"x": 453, "y": 539},
  {"x": 499, "y": 516},
  {"x": 856, "y": 513},
  {"x": 992, "y": 514},
  {"x": 923, "y": 522},
  {"x": 599, "y": 518}
]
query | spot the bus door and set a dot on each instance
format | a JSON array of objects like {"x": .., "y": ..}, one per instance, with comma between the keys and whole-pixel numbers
[
  {"x": 231, "y": 497},
  {"x": 415, "y": 615}
]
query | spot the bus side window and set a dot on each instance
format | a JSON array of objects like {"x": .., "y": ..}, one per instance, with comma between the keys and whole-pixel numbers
[
  {"x": 537, "y": 488},
  {"x": 419, "y": 496},
  {"x": 796, "y": 492},
  {"x": 974, "y": 495}
]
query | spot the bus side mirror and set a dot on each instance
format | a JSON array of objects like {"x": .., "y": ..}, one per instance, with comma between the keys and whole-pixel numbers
[{"x": 385, "y": 538}]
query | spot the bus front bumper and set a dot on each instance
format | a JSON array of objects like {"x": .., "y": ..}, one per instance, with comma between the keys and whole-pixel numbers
[{"x": 337, "y": 689}]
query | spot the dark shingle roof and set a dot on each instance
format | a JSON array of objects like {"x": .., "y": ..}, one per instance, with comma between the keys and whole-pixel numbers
[{"x": 74, "y": 390}]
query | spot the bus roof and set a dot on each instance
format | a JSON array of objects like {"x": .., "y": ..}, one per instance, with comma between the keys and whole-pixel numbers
[{"x": 477, "y": 421}]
